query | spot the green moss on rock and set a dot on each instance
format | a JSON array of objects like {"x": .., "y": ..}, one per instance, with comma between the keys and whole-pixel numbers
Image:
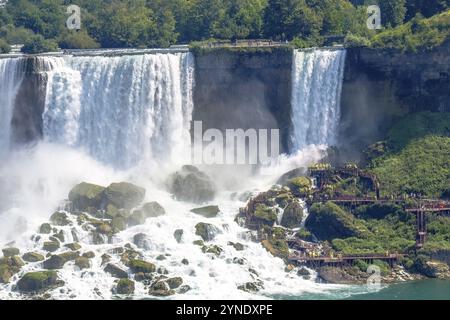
[{"x": 86, "y": 195}]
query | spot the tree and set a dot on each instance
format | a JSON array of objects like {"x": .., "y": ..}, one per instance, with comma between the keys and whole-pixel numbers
[
  {"x": 393, "y": 12},
  {"x": 427, "y": 8},
  {"x": 4, "y": 46},
  {"x": 287, "y": 19},
  {"x": 38, "y": 44}
]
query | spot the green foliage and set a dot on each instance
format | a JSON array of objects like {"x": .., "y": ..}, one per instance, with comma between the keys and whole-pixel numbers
[
  {"x": 354, "y": 41},
  {"x": 418, "y": 125},
  {"x": 417, "y": 34},
  {"x": 37, "y": 44},
  {"x": 77, "y": 40},
  {"x": 378, "y": 211},
  {"x": 16, "y": 35},
  {"x": 329, "y": 221},
  {"x": 422, "y": 167},
  {"x": 4, "y": 46}
]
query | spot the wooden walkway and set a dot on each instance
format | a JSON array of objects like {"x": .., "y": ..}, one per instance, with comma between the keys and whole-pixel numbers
[{"x": 341, "y": 260}]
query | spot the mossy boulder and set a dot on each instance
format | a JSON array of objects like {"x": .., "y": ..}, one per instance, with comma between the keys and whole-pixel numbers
[
  {"x": 137, "y": 266},
  {"x": 277, "y": 247},
  {"x": 125, "y": 287},
  {"x": 123, "y": 195},
  {"x": 153, "y": 210},
  {"x": 292, "y": 215},
  {"x": 60, "y": 219},
  {"x": 82, "y": 263},
  {"x": 51, "y": 246},
  {"x": 73, "y": 246},
  {"x": 265, "y": 215},
  {"x": 116, "y": 271},
  {"x": 85, "y": 196},
  {"x": 300, "y": 186},
  {"x": 192, "y": 185},
  {"x": 10, "y": 252},
  {"x": 33, "y": 257},
  {"x": 39, "y": 281},
  {"x": 206, "y": 230},
  {"x": 207, "y": 212},
  {"x": 251, "y": 287},
  {"x": 329, "y": 221},
  {"x": 214, "y": 249}
]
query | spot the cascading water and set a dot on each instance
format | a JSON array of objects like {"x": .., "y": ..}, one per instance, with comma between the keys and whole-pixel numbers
[
  {"x": 125, "y": 110},
  {"x": 121, "y": 109},
  {"x": 317, "y": 77},
  {"x": 11, "y": 74}
]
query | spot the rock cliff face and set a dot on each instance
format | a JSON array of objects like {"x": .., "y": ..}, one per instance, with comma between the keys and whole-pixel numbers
[
  {"x": 382, "y": 85},
  {"x": 26, "y": 123},
  {"x": 244, "y": 90}
]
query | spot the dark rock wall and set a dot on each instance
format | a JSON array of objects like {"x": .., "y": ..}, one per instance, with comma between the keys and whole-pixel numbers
[
  {"x": 26, "y": 124},
  {"x": 242, "y": 90},
  {"x": 381, "y": 86}
]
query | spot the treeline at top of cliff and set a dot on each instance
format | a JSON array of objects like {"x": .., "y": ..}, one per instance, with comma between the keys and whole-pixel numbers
[{"x": 41, "y": 24}]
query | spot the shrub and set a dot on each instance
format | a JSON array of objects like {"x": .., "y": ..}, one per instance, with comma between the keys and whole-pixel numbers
[
  {"x": 353, "y": 41},
  {"x": 37, "y": 44}
]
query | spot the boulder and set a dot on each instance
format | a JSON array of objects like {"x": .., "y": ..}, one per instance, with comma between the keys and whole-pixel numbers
[
  {"x": 161, "y": 289},
  {"x": 115, "y": 271},
  {"x": 237, "y": 246},
  {"x": 214, "y": 249},
  {"x": 264, "y": 215},
  {"x": 85, "y": 196},
  {"x": 329, "y": 221},
  {"x": 54, "y": 262},
  {"x": 137, "y": 266},
  {"x": 125, "y": 287},
  {"x": 118, "y": 224},
  {"x": 141, "y": 241},
  {"x": 10, "y": 252},
  {"x": 292, "y": 215},
  {"x": 136, "y": 218},
  {"x": 89, "y": 255},
  {"x": 51, "y": 246},
  {"x": 250, "y": 287},
  {"x": 336, "y": 276},
  {"x": 283, "y": 180},
  {"x": 174, "y": 283},
  {"x": 60, "y": 219},
  {"x": 82, "y": 263},
  {"x": 73, "y": 246},
  {"x": 123, "y": 195},
  {"x": 153, "y": 210},
  {"x": 45, "y": 228},
  {"x": 277, "y": 247},
  {"x": 192, "y": 185},
  {"x": 206, "y": 230},
  {"x": 300, "y": 186},
  {"x": 207, "y": 212},
  {"x": 39, "y": 281},
  {"x": 178, "y": 235},
  {"x": 33, "y": 257}
]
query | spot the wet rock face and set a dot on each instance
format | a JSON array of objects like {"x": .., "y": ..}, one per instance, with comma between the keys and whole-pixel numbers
[
  {"x": 207, "y": 212},
  {"x": 125, "y": 287},
  {"x": 192, "y": 185}
]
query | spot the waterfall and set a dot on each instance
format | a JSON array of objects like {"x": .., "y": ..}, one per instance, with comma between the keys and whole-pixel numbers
[
  {"x": 121, "y": 109},
  {"x": 12, "y": 71},
  {"x": 316, "y": 93}
]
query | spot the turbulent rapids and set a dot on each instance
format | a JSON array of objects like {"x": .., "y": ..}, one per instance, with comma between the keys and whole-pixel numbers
[{"x": 128, "y": 118}]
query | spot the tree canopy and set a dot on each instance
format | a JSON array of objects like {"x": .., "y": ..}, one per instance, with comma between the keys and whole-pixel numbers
[{"x": 160, "y": 23}]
